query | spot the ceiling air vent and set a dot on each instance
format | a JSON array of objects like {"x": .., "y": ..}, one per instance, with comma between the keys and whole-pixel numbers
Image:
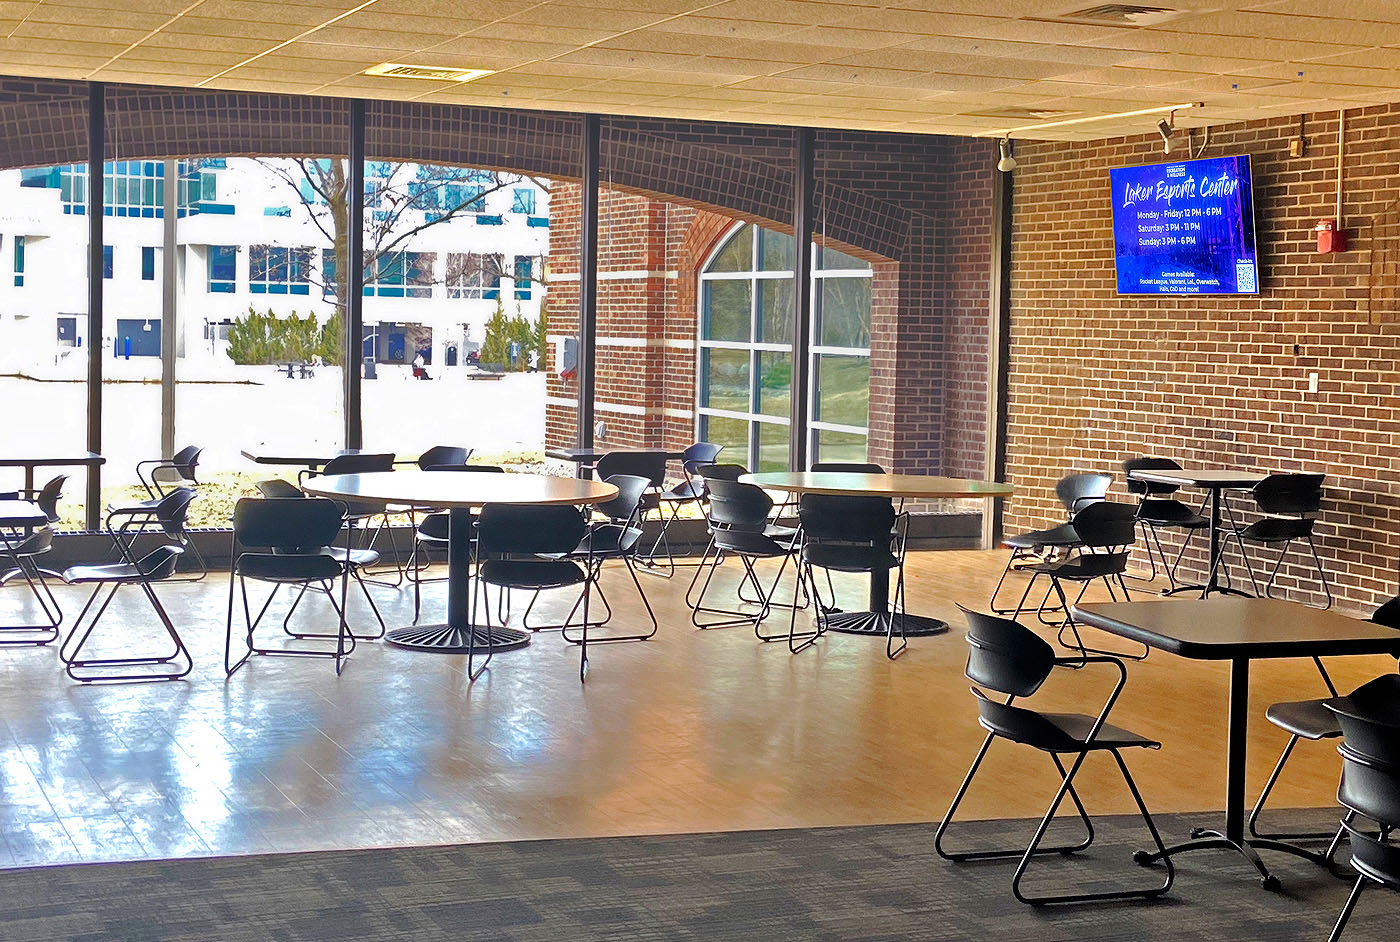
[
  {"x": 1117, "y": 14},
  {"x": 431, "y": 72}
]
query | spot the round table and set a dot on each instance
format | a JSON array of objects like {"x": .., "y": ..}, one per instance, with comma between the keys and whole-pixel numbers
[
  {"x": 458, "y": 493},
  {"x": 876, "y": 619}
]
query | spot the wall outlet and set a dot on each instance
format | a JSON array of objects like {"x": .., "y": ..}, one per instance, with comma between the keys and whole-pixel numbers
[{"x": 1312, "y": 382}]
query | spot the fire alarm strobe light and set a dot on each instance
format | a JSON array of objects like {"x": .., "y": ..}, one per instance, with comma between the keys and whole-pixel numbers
[{"x": 1329, "y": 237}]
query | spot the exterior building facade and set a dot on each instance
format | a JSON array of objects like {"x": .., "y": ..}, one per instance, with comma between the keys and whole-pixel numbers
[{"x": 245, "y": 239}]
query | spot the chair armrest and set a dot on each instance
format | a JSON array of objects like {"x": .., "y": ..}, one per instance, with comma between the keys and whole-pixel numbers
[{"x": 1072, "y": 663}]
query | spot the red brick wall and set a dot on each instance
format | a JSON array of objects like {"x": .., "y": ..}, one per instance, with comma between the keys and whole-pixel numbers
[{"x": 1096, "y": 378}]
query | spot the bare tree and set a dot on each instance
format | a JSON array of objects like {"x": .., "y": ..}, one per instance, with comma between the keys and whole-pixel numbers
[{"x": 402, "y": 200}]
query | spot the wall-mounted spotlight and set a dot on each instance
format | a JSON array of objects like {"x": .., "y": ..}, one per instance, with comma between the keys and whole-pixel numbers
[
  {"x": 1165, "y": 128},
  {"x": 1007, "y": 163}
]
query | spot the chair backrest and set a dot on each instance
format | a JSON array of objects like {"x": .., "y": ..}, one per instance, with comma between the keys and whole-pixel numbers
[
  {"x": 1290, "y": 493},
  {"x": 849, "y": 467},
  {"x": 721, "y": 472},
  {"x": 358, "y": 464},
  {"x": 172, "y": 509},
  {"x": 278, "y": 489},
  {"x": 631, "y": 488},
  {"x": 1149, "y": 488},
  {"x": 646, "y": 464},
  {"x": 738, "y": 507},
  {"x": 1388, "y": 614},
  {"x": 838, "y": 519},
  {"x": 1106, "y": 524},
  {"x": 701, "y": 453},
  {"x": 1370, "y": 721},
  {"x": 159, "y": 563},
  {"x": 442, "y": 456},
  {"x": 292, "y": 526},
  {"x": 1077, "y": 491},
  {"x": 529, "y": 529},
  {"x": 1005, "y": 656},
  {"x": 186, "y": 460},
  {"x": 49, "y": 495}
]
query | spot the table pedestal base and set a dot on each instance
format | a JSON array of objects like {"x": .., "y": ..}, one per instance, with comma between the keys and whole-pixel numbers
[
  {"x": 877, "y": 623},
  {"x": 446, "y": 639},
  {"x": 1207, "y": 590},
  {"x": 1207, "y": 839}
]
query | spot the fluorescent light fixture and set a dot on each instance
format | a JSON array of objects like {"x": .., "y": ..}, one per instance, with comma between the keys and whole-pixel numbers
[
  {"x": 431, "y": 72},
  {"x": 1096, "y": 117}
]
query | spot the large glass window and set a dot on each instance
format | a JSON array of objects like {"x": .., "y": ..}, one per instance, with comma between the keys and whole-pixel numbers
[
  {"x": 223, "y": 269},
  {"x": 744, "y": 387},
  {"x": 279, "y": 269}
]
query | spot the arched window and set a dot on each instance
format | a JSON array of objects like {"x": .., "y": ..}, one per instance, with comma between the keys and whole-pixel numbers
[{"x": 744, "y": 374}]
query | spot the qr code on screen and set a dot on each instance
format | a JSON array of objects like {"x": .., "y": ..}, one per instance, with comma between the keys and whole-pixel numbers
[{"x": 1244, "y": 276}]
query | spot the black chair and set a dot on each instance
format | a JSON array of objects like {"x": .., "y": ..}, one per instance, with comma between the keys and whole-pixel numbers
[
  {"x": 713, "y": 556},
  {"x": 431, "y": 533},
  {"x": 24, "y": 550},
  {"x": 1075, "y": 492},
  {"x": 1106, "y": 532},
  {"x": 652, "y": 466},
  {"x": 161, "y": 475},
  {"x": 852, "y": 534},
  {"x": 287, "y": 542},
  {"x": 692, "y": 489},
  {"x": 155, "y": 566},
  {"x": 1286, "y": 500},
  {"x": 1313, "y": 721},
  {"x": 515, "y": 543},
  {"x": 1370, "y": 786},
  {"x": 740, "y": 526},
  {"x": 361, "y": 513},
  {"x": 440, "y": 457},
  {"x": 47, "y": 498},
  {"x": 1013, "y": 662},
  {"x": 356, "y": 558},
  {"x": 141, "y": 517},
  {"x": 615, "y": 535},
  {"x": 1158, "y": 510}
]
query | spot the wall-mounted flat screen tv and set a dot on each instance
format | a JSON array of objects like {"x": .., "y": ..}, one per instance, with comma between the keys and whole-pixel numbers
[{"x": 1185, "y": 227}]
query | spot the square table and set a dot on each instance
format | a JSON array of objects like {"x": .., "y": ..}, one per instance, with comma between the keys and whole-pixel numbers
[
  {"x": 1215, "y": 481},
  {"x": 1238, "y": 630},
  {"x": 59, "y": 459},
  {"x": 311, "y": 457}
]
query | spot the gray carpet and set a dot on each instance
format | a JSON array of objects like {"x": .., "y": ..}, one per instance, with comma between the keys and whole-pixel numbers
[{"x": 877, "y": 882}]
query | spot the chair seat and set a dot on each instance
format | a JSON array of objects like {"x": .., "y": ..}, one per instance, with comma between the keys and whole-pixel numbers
[
  {"x": 281, "y": 567},
  {"x": 135, "y": 506},
  {"x": 1277, "y": 530},
  {"x": 684, "y": 492},
  {"x": 1308, "y": 719},
  {"x": 1062, "y": 536},
  {"x": 1168, "y": 512},
  {"x": 357, "y": 557},
  {"x": 608, "y": 539},
  {"x": 1082, "y": 567},
  {"x": 35, "y": 544},
  {"x": 532, "y": 573},
  {"x": 1075, "y": 728},
  {"x": 849, "y": 558}
]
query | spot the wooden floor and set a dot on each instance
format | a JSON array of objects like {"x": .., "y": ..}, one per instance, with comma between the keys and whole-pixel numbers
[{"x": 692, "y": 731}]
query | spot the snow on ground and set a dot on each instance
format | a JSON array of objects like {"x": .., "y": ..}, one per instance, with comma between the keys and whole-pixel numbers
[{"x": 246, "y": 406}]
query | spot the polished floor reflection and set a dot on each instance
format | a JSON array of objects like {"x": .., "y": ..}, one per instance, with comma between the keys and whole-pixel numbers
[{"x": 691, "y": 731}]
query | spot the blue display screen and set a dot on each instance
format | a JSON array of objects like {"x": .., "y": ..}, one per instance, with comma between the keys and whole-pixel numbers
[{"x": 1185, "y": 228}]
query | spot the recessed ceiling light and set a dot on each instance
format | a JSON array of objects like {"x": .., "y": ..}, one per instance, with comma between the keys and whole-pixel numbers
[{"x": 432, "y": 72}]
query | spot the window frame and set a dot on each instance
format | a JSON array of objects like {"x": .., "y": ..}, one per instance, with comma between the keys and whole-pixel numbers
[{"x": 753, "y": 416}]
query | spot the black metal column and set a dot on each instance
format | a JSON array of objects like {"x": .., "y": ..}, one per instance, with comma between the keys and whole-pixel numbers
[
  {"x": 97, "y": 143},
  {"x": 998, "y": 351},
  {"x": 588, "y": 279},
  {"x": 803, "y": 224},
  {"x": 354, "y": 275}
]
